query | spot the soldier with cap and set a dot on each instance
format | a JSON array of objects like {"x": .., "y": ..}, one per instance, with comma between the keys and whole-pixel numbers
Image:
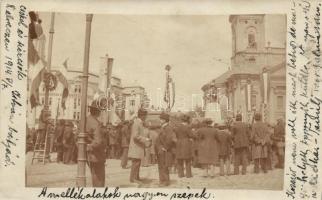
[
  {"x": 138, "y": 142},
  {"x": 260, "y": 138},
  {"x": 164, "y": 145},
  {"x": 241, "y": 135},
  {"x": 96, "y": 145},
  {"x": 183, "y": 147}
]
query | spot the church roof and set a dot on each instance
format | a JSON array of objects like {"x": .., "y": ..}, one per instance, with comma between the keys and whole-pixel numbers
[{"x": 247, "y": 70}]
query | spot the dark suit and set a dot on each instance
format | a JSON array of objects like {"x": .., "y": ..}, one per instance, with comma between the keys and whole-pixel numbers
[
  {"x": 183, "y": 149},
  {"x": 126, "y": 136},
  {"x": 96, "y": 151},
  {"x": 240, "y": 133},
  {"x": 164, "y": 145},
  {"x": 59, "y": 142},
  {"x": 260, "y": 138}
]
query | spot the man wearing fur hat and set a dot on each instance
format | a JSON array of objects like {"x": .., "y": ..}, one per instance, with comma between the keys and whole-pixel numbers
[
  {"x": 96, "y": 146},
  {"x": 164, "y": 145},
  {"x": 138, "y": 142}
]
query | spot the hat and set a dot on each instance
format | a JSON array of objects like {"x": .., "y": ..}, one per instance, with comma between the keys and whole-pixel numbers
[
  {"x": 142, "y": 112},
  {"x": 258, "y": 116},
  {"x": 238, "y": 117},
  {"x": 94, "y": 104},
  {"x": 165, "y": 116},
  {"x": 208, "y": 121},
  {"x": 185, "y": 118}
]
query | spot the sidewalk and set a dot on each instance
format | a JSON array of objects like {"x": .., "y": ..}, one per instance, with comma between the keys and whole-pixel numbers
[{"x": 61, "y": 175}]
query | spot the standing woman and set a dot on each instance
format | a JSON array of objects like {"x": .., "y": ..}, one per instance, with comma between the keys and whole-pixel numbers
[{"x": 208, "y": 148}]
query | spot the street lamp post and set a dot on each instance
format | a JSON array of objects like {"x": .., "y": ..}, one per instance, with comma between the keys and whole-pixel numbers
[
  {"x": 265, "y": 94},
  {"x": 81, "y": 175}
]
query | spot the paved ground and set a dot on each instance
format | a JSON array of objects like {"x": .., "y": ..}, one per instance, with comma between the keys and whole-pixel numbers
[{"x": 61, "y": 175}]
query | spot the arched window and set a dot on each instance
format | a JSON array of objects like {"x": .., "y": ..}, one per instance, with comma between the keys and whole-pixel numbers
[{"x": 251, "y": 34}]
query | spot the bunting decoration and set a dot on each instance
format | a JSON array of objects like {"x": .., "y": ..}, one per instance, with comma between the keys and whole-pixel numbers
[
  {"x": 61, "y": 76},
  {"x": 169, "y": 95}
]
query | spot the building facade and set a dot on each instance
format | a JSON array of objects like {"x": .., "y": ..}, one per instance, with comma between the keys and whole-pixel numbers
[
  {"x": 120, "y": 95},
  {"x": 256, "y": 81}
]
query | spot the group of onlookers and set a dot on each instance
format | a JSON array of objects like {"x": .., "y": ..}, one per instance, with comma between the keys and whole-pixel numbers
[{"x": 176, "y": 146}]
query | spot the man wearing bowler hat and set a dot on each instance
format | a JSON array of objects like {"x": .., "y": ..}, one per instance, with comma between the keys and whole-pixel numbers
[
  {"x": 164, "y": 146},
  {"x": 96, "y": 146},
  {"x": 137, "y": 145}
]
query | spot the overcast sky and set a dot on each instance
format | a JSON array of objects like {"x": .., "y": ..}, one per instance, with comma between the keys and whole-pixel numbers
[{"x": 142, "y": 45}]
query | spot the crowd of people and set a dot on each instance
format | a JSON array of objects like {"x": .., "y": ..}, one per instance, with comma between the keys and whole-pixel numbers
[{"x": 177, "y": 146}]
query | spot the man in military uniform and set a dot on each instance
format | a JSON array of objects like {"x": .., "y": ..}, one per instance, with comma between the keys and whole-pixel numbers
[
  {"x": 164, "y": 145},
  {"x": 96, "y": 146},
  {"x": 240, "y": 134},
  {"x": 137, "y": 145}
]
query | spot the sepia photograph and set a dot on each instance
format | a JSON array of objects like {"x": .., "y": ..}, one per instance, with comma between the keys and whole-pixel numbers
[{"x": 156, "y": 101}]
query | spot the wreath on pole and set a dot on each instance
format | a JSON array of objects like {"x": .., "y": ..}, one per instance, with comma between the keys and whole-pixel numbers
[{"x": 50, "y": 81}]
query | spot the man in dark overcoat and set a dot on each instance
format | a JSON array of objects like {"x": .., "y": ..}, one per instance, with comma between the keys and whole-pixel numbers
[
  {"x": 208, "y": 148},
  {"x": 225, "y": 141},
  {"x": 59, "y": 132},
  {"x": 183, "y": 147},
  {"x": 279, "y": 142},
  {"x": 260, "y": 138},
  {"x": 68, "y": 142},
  {"x": 164, "y": 145},
  {"x": 241, "y": 136},
  {"x": 125, "y": 141},
  {"x": 96, "y": 145}
]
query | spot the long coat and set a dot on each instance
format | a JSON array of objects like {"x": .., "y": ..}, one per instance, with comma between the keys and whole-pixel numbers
[
  {"x": 260, "y": 138},
  {"x": 208, "y": 146},
  {"x": 240, "y": 133},
  {"x": 225, "y": 140},
  {"x": 96, "y": 140},
  {"x": 125, "y": 136},
  {"x": 165, "y": 143},
  {"x": 184, "y": 143},
  {"x": 138, "y": 140}
]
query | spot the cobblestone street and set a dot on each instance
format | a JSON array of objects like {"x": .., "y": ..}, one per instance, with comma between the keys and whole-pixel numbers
[{"x": 61, "y": 175}]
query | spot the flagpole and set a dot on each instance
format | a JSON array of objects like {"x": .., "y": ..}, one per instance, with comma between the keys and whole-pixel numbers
[
  {"x": 81, "y": 176},
  {"x": 50, "y": 47}
]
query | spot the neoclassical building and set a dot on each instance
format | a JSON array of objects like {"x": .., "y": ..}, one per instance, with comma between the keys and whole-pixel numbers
[
  {"x": 256, "y": 80},
  {"x": 122, "y": 96}
]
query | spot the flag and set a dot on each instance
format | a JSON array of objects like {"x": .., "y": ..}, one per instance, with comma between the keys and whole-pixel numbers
[
  {"x": 61, "y": 76},
  {"x": 34, "y": 89}
]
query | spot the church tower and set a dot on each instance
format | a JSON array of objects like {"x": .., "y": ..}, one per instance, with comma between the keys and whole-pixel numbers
[{"x": 248, "y": 37}]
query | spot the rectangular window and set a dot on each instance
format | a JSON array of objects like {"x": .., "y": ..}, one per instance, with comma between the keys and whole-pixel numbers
[
  {"x": 75, "y": 103},
  {"x": 79, "y": 89},
  {"x": 78, "y": 115},
  {"x": 50, "y": 101},
  {"x": 132, "y": 102},
  {"x": 74, "y": 115},
  {"x": 42, "y": 100},
  {"x": 280, "y": 103},
  {"x": 76, "y": 88},
  {"x": 253, "y": 101},
  {"x": 79, "y": 102}
]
